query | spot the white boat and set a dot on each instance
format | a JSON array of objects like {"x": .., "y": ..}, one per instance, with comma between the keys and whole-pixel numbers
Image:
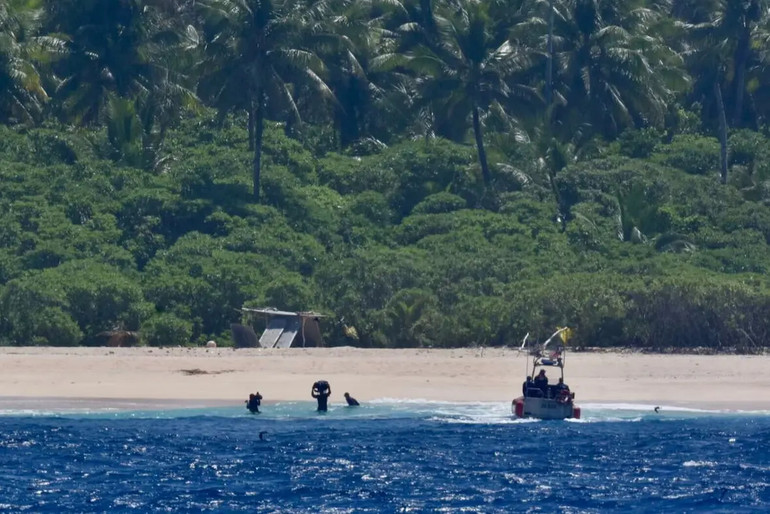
[{"x": 541, "y": 398}]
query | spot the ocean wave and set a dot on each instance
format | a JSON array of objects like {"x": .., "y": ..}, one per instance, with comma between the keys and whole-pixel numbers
[
  {"x": 664, "y": 408},
  {"x": 388, "y": 408},
  {"x": 485, "y": 421}
]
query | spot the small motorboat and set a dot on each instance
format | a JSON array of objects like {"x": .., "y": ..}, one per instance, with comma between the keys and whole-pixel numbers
[{"x": 541, "y": 399}]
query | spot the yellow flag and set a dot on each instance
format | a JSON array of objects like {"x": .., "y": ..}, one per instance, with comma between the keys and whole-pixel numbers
[{"x": 566, "y": 335}]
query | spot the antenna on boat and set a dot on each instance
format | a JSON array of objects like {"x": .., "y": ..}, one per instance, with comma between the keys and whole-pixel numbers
[
  {"x": 524, "y": 342},
  {"x": 526, "y": 362},
  {"x": 554, "y": 335}
]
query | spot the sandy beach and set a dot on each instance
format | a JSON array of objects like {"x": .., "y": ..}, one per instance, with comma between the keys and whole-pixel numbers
[{"x": 148, "y": 377}]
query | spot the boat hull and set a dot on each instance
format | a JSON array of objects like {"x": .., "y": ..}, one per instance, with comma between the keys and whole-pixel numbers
[{"x": 543, "y": 408}]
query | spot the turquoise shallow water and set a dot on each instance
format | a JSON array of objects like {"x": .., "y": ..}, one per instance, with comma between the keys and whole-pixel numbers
[{"x": 387, "y": 456}]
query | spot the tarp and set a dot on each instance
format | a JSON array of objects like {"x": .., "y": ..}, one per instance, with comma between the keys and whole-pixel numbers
[
  {"x": 243, "y": 336},
  {"x": 273, "y": 332},
  {"x": 289, "y": 333}
]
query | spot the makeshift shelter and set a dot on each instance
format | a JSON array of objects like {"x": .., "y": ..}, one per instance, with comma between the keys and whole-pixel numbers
[{"x": 283, "y": 329}]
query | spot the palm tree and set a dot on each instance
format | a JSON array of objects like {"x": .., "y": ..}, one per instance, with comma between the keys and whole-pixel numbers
[
  {"x": 254, "y": 60},
  {"x": 371, "y": 103},
  {"x": 611, "y": 68},
  {"x": 759, "y": 75},
  {"x": 22, "y": 91},
  {"x": 464, "y": 66},
  {"x": 735, "y": 33},
  {"x": 720, "y": 39},
  {"x": 104, "y": 54},
  {"x": 744, "y": 17},
  {"x": 171, "y": 48},
  {"x": 550, "y": 54},
  {"x": 121, "y": 65}
]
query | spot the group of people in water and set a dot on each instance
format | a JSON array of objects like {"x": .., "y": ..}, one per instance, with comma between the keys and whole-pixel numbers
[
  {"x": 539, "y": 388},
  {"x": 321, "y": 391}
]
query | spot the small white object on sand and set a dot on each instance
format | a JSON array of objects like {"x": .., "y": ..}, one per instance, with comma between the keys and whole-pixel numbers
[{"x": 211, "y": 344}]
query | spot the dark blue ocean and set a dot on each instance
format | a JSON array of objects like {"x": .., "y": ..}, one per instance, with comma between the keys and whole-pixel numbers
[{"x": 385, "y": 457}]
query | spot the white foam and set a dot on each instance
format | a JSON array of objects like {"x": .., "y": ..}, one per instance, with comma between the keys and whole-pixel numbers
[
  {"x": 662, "y": 409},
  {"x": 485, "y": 421},
  {"x": 641, "y": 407},
  {"x": 420, "y": 401},
  {"x": 699, "y": 464}
]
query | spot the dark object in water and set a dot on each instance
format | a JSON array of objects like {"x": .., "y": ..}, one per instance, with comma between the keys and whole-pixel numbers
[
  {"x": 261, "y": 435},
  {"x": 253, "y": 403},
  {"x": 656, "y": 409}
]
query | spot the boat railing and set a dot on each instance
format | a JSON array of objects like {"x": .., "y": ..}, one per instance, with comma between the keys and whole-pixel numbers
[
  {"x": 551, "y": 392},
  {"x": 534, "y": 392}
]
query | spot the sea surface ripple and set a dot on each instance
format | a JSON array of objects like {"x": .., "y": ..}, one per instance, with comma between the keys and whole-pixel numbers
[{"x": 385, "y": 457}]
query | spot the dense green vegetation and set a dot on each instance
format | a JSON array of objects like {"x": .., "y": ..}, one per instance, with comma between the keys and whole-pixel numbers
[{"x": 432, "y": 173}]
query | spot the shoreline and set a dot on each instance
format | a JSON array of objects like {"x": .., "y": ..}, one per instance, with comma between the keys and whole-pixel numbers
[
  {"x": 19, "y": 405},
  {"x": 199, "y": 377}
]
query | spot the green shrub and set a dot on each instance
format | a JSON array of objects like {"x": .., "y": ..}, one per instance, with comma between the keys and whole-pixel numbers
[
  {"x": 292, "y": 292},
  {"x": 440, "y": 203},
  {"x": 419, "y": 226},
  {"x": 639, "y": 144},
  {"x": 747, "y": 147},
  {"x": 691, "y": 154},
  {"x": 424, "y": 168},
  {"x": 54, "y": 327},
  {"x": 166, "y": 330},
  {"x": 373, "y": 206},
  {"x": 97, "y": 297}
]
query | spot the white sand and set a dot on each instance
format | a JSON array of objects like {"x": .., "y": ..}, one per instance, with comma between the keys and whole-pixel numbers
[{"x": 155, "y": 376}]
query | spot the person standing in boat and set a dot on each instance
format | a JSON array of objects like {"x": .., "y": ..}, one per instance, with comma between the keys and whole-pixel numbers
[{"x": 541, "y": 382}]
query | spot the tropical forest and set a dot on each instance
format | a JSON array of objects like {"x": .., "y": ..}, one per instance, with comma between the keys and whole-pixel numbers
[{"x": 424, "y": 173}]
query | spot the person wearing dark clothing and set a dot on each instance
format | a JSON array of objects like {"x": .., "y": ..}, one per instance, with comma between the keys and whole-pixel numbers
[
  {"x": 352, "y": 402},
  {"x": 562, "y": 392},
  {"x": 541, "y": 382},
  {"x": 253, "y": 403},
  {"x": 321, "y": 391},
  {"x": 528, "y": 384}
]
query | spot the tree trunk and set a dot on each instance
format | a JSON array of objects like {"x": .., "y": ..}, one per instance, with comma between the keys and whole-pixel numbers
[
  {"x": 348, "y": 116},
  {"x": 480, "y": 147},
  {"x": 426, "y": 10},
  {"x": 259, "y": 127},
  {"x": 549, "y": 65},
  {"x": 741, "y": 61},
  {"x": 251, "y": 125},
  {"x": 722, "y": 131}
]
